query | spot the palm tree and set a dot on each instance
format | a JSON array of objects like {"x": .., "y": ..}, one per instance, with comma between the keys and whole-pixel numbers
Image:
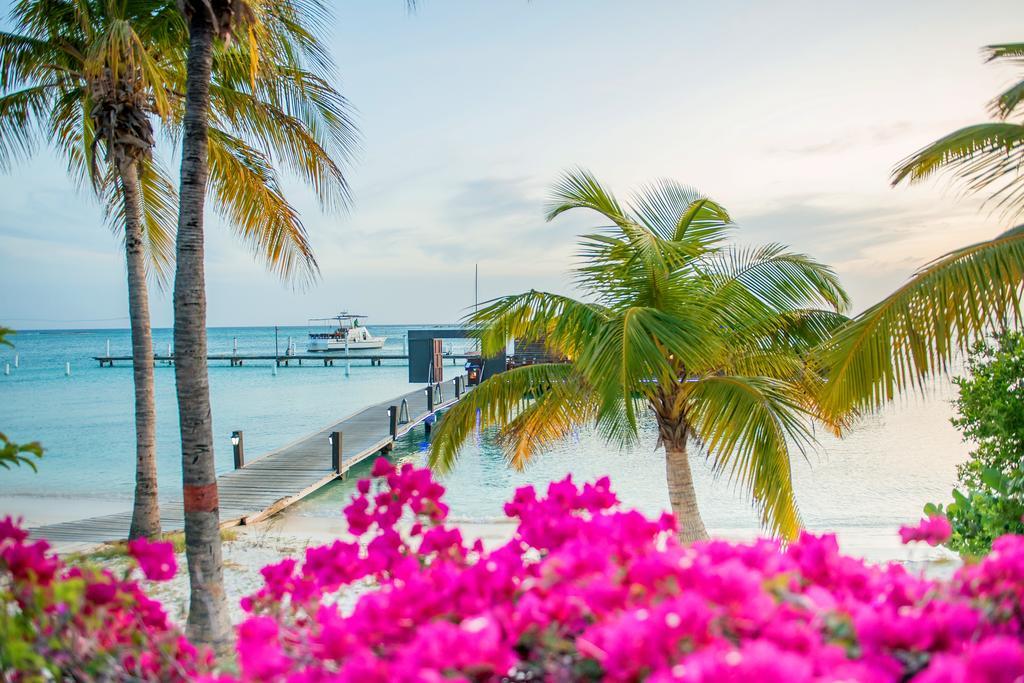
[
  {"x": 81, "y": 75},
  {"x": 306, "y": 118},
  {"x": 710, "y": 338},
  {"x": 89, "y": 75},
  {"x": 950, "y": 302}
]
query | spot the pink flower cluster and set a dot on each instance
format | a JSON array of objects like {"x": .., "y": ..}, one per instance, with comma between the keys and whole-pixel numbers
[
  {"x": 933, "y": 530},
  {"x": 588, "y": 591},
  {"x": 83, "y": 623}
]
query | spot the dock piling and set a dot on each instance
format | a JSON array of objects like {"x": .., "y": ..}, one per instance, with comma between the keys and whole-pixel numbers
[
  {"x": 393, "y": 421},
  {"x": 67, "y": 369},
  {"x": 16, "y": 361},
  {"x": 7, "y": 368},
  {"x": 108, "y": 348},
  {"x": 238, "y": 445}
]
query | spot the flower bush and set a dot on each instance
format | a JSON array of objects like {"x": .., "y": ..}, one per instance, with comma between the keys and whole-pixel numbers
[
  {"x": 60, "y": 622},
  {"x": 588, "y": 591},
  {"x": 584, "y": 591}
]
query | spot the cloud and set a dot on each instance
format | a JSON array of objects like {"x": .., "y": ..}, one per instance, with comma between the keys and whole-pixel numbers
[
  {"x": 850, "y": 139},
  {"x": 873, "y": 242}
]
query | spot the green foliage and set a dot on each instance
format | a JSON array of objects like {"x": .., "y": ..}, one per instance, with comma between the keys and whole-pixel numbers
[
  {"x": 984, "y": 156},
  {"x": 13, "y": 454},
  {"x": 711, "y": 338},
  {"x": 18, "y": 454},
  {"x": 273, "y": 106},
  {"x": 990, "y": 412}
]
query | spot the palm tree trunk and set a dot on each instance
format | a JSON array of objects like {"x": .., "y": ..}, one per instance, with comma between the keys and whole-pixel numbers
[
  {"x": 681, "y": 492},
  {"x": 146, "y": 512},
  {"x": 208, "y": 621}
]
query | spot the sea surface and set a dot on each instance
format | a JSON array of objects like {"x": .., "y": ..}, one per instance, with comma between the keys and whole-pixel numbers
[{"x": 875, "y": 479}]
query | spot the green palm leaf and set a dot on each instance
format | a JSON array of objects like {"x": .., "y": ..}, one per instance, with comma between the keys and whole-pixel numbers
[
  {"x": 748, "y": 424},
  {"x": 915, "y": 332},
  {"x": 495, "y": 402}
]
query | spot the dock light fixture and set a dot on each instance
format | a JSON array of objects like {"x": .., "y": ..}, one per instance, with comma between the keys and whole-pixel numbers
[{"x": 238, "y": 446}]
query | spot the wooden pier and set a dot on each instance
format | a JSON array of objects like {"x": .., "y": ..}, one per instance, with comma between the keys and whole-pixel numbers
[
  {"x": 278, "y": 479},
  {"x": 238, "y": 360}
]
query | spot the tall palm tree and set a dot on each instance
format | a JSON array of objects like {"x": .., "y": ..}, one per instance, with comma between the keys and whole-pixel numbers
[
  {"x": 95, "y": 75},
  {"x": 82, "y": 76},
  {"x": 950, "y": 302},
  {"x": 229, "y": 42},
  {"x": 710, "y": 339}
]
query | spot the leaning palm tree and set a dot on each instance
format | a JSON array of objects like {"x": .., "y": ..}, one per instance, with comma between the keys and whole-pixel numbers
[
  {"x": 917, "y": 331},
  {"x": 264, "y": 63},
  {"x": 708, "y": 340}
]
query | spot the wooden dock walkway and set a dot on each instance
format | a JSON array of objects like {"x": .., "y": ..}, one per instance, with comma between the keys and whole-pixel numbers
[
  {"x": 274, "y": 481},
  {"x": 236, "y": 359}
]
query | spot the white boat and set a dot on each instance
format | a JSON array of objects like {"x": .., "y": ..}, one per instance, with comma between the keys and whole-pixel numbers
[{"x": 343, "y": 333}]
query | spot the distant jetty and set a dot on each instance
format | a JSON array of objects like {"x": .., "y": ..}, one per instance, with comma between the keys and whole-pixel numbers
[{"x": 238, "y": 359}]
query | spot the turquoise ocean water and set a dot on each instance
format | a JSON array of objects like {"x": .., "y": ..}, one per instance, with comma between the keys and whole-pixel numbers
[{"x": 877, "y": 478}]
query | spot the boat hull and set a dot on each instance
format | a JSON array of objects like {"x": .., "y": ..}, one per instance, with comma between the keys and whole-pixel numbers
[{"x": 327, "y": 345}]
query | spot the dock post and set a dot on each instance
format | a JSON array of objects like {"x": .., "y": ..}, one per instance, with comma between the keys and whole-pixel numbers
[
  {"x": 238, "y": 446},
  {"x": 67, "y": 369},
  {"x": 234, "y": 345},
  {"x": 458, "y": 386},
  {"x": 393, "y": 421},
  {"x": 335, "y": 439},
  {"x": 430, "y": 398},
  {"x": 16, "y": 361},
  {"x": 108, "y": 348},
  {"x": 7, "y": 369}
]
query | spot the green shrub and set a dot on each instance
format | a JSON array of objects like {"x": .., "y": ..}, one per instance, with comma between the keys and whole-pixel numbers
[{"x": 989, "y": 500}]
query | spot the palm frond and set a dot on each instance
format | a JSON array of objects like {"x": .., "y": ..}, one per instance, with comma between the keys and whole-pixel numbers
[
  {"x": 561, "y": 322},
  {"x": 312, "y": 147},
  {"x": 747, "y": 425},
  {"x": 986, "y": 155},
  {"x": 677, "y": 213},
  {"x": 579, "y": 189},
  {"x": 914, "y": 333},
  {"x": 247, "y": 193},
  {"x": 551, "y": 415},
  {"x": 495, "y": 402},
  {"x": 775, "y": 278}
]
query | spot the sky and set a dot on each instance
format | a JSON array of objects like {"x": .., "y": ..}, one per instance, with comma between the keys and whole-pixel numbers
[{"x": 791, "y": 114}]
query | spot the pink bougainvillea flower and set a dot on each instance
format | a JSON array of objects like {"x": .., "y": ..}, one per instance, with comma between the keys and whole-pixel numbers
[
  {"x": 155, "y": 558},
  {"x": 588, "y": 590},
  {"x": 933, "y": 530}
]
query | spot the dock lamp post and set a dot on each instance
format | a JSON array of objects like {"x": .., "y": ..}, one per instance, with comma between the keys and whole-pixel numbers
[
  {"x": 335, "y": 440},
  {"x": 238, "y": 445}
]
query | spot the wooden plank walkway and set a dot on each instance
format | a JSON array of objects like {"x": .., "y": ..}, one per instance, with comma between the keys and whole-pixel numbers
[{"x": 276, "y": 480}]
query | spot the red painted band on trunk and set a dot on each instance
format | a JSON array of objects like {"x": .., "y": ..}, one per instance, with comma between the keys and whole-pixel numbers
[{"x": 201, "y": 498}]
